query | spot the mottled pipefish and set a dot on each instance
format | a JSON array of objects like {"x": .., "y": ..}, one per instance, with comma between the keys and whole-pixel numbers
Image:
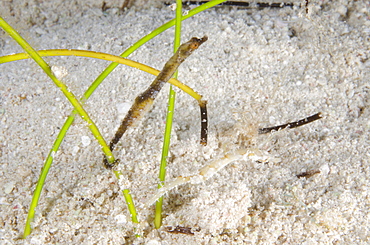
[{"x": 145, "y": 100}]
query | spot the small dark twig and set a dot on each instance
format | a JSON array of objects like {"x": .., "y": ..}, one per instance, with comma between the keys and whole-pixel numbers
[
  {"x": 181, "y": 230},
  {"x": 292, "y": 124},
  {"x": 308, "y": 174},
  {"x": 239, "y": 4}
]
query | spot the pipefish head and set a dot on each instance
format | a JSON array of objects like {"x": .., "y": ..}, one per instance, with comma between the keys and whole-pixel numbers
[
  {"x": 186, "y": 49},
  {"x": 196, "y": 42}
]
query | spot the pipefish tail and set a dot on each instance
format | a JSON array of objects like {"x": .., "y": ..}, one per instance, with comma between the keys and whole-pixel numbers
[{"x": 144, "y": 101}]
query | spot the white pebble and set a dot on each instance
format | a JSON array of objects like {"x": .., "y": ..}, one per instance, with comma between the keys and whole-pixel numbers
[
  {"x": 325, "y": 169},
  {"x": 75, "y": 150},
  {"x": 8, "y": 187},
  {"x": 85, "y": 140},
  {"x": 342, "y": 10},
  {"x": 153, "y": 242},
  {"x": 121, "y": 219},
  {"x": 59, "y": 71}
]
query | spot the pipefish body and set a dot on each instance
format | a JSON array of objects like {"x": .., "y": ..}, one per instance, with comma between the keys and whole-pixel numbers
[{"x": 144, "y": 101}]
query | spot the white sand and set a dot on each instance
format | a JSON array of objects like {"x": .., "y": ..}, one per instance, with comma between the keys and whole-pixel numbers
[{"x": 258, "y": 68}]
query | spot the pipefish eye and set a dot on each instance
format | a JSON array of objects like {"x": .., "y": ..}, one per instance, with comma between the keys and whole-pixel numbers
[{"x": 194, "y": 45}]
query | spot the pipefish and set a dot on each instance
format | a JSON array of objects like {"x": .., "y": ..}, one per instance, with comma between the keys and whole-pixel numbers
[{"x": 144, "y": 101}]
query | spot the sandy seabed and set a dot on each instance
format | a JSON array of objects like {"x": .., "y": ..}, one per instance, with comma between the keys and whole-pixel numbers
[{"x": 260, "y": 67}]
